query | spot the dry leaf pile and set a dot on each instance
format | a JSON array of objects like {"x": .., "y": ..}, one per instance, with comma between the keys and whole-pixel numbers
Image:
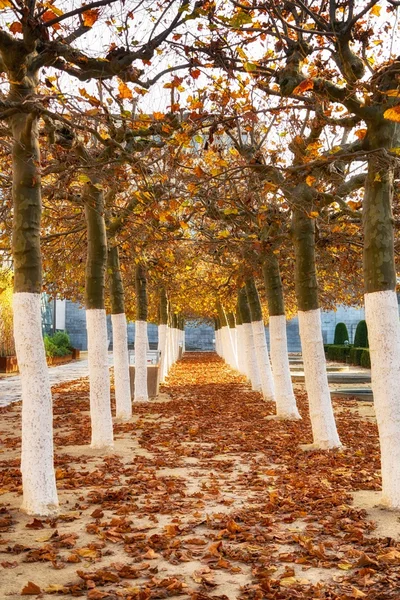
[{"x": 203, "y": 497}]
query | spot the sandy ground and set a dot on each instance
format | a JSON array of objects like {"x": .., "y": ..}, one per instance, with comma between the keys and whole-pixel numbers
[{"x": 203, "y": 496}]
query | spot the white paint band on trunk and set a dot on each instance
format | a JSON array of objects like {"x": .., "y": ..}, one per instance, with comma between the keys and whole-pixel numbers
[
  {"x": 316, "y": 380},
  {"x": 162, "y": 347},
  {"x": 264, "y": 366},
  {"x": 123, "y": 403},
  {"x": 37, "y": 460},
  {"x": 382, "y": 316},
  {"x": 233, "y": 332},
  {"x": 251, "y": 358},
  {"x": 240, "y": 349},
  {"x": 99, "y": 379},
  {"x": 141, "y": 393},
  {"x": 286, "y": 407},
  {"x": 226, "y": 344}
]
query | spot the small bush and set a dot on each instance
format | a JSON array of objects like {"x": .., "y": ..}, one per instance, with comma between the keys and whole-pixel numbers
[
  {"x": 61, "y": 340},
  {"x": 361, "y": 336},
  {"x": 355, "y": 355},
  {"x": 341, "y": 334},
  {"x": 57, "y": 345},
  {"x": 365, "y": 359},
  {"x": 337, "y": 352}
]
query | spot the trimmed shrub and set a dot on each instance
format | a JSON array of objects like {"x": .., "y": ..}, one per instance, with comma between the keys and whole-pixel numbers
[
  {"x": 336, "y": 352},
  {"x": 361, "y": 336},
  {"x": 365, "y": 359},
  {"x": 341, "y": 334},
  {"x": 355, "y": 355},
  {"x": 57, "y": 345}
]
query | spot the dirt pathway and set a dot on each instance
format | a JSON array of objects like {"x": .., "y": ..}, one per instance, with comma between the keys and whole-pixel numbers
[{"x": 204, "y": 496}]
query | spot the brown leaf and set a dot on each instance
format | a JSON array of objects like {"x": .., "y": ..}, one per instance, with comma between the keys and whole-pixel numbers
[
  {"x": 36, "y": 524},
  {"x": 30, "y": 589}
]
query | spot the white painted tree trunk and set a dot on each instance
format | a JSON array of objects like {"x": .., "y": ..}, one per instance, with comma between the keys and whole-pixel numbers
[
  {"x": 251, "y": 358},
  {"x": 240, "y": 348},
  {"x": 99, "y": 379},
  {"x": 285, "y": 399},
  {"x": 262, "y": 356},
  {"x": 141, "y": 394},
  {"x": 226, "y": 343},
  {"x": 232, "y": 359},
  {"x": 37, "y": 460},
  {"x": 218, "y": 343},
  {"x": 123, "y": 403},
  {"x": 382, "y": 316},
  {"x": 162, "y": 347},
  {"x": 233, "y": 332},
  {"x": 316, "y": 380},
  {"x": 169, "y": 349}
]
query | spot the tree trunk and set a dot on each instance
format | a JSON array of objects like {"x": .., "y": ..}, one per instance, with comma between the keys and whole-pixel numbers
[
  {"x": 230, "y": 317},
  {"x": 248, "y": 341},
  {"x": 260, "y": 341},
  {"x": 37, "y": 461},
  {"x": 285, "y": 399},
  {"x": 99, "y": 376},
  {"x": 227, "y": 342},
  {"x": 162, "y": 333},
  {"x": 242, "y": 366},
  {"x": 381, "y": 306},
  {"x": 316, "y": 380},
  {"x": 141, "y": 394},
  {"x": 123, "y": 404}
]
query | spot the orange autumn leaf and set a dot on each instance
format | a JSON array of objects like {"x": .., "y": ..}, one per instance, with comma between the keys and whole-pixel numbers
[
  {"x": 90, "y": 17},
  {"x": 305, "y": 85},
  {"x": 360, "y": 133},
  {"x": 49, "y": 15},
  {"x": 124, "y": 91},
  {"x": 30, "y": 589},
  {"x": 16, "y": 27},
  {"x": 393, "y": 114}
]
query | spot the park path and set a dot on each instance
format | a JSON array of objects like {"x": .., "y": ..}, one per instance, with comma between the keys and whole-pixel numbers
[
  {"x": 205, "y": 495},
  {"x": 10, "y": 386}
]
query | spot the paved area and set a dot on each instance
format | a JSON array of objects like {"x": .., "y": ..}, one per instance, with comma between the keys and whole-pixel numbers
[{"x": 10, "y": 387}]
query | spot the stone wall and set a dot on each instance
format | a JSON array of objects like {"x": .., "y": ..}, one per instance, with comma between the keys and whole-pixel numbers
[{"x": 201, "y": 335}]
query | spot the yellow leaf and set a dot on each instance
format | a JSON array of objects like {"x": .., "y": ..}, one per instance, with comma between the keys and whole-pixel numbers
[
  {"x": 53, "y": 588},
  {"x": 392, "y": 93},
  {"x": 124, "y": 91},
  {"x": 86, "y": 553},
  {"x": 5, "y": 4},
  {"x": 310, "y": 180},
  {"x": 356, "y": 593},
  {"x": 287, "y": 581},
  {"x": 393, "y": 114},
  {"x": 376, "y": 10},
  {"x": 345, "y": 566}
]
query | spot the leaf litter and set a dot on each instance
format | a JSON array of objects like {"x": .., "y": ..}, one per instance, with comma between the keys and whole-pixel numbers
[{"x": 202, "y": 497}]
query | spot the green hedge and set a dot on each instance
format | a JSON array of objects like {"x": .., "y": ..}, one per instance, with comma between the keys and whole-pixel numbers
[
  {"x": 337, "y": 352},
  {"x": 361, "y": 335},
  {"x": 58, "y": 344},
  {"x": 355, "y": 355},
  {"x": 341, "y": 334},
  {"x": 365, "y": 359}
]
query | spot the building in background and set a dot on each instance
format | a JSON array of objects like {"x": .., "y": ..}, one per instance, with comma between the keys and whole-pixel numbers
[{"x": 199, "y": 335}]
